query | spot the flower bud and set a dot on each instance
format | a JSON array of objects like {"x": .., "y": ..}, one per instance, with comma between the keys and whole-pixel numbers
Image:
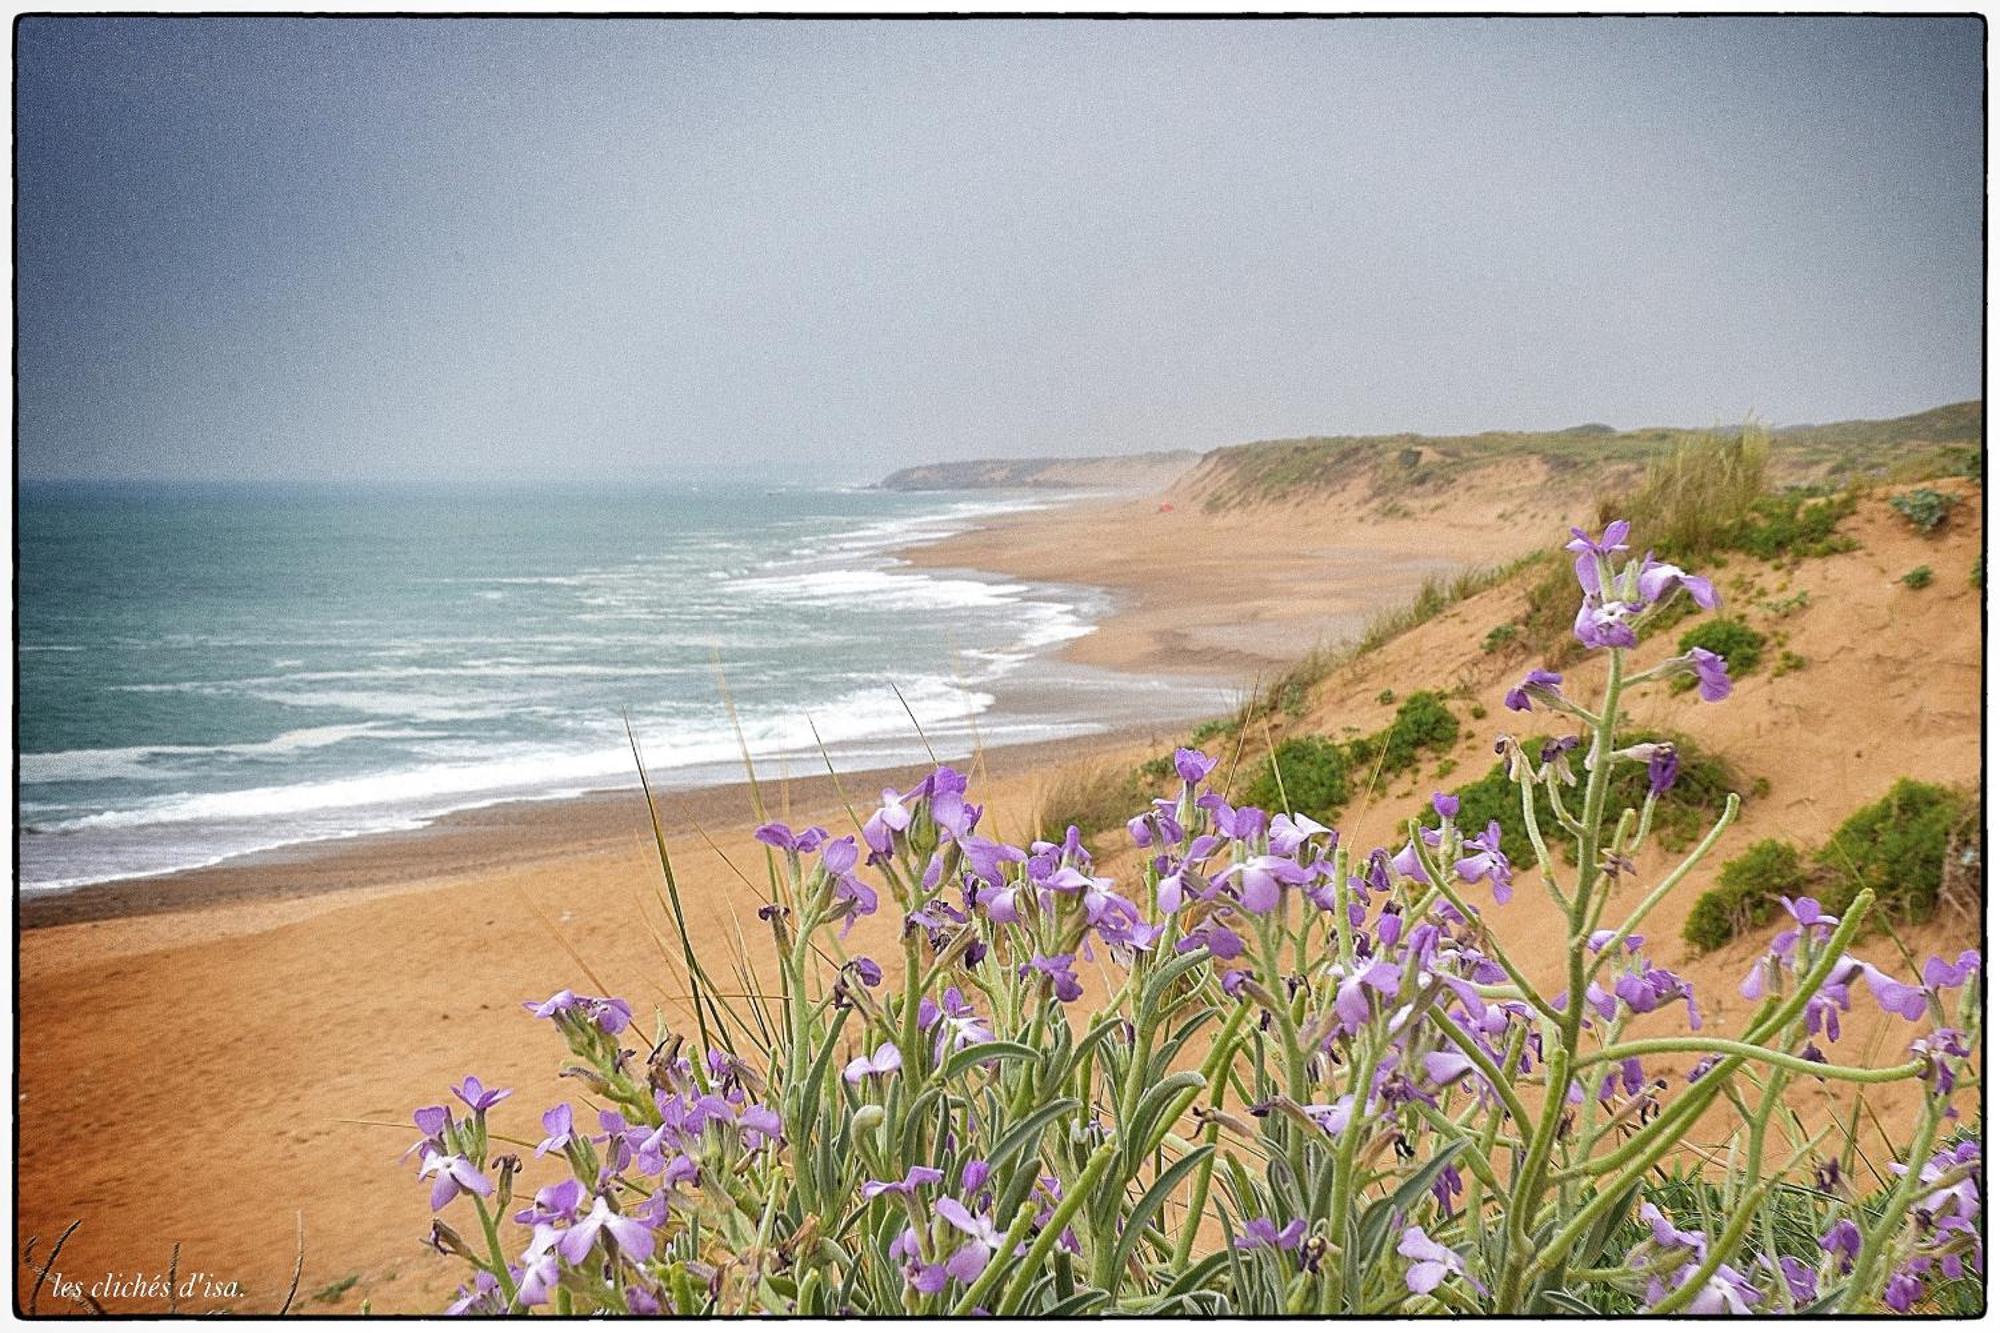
[{"x": 869, "y": 1118}]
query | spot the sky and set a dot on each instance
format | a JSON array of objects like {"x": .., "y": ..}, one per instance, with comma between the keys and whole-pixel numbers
[{"x": 541, "y": 250}]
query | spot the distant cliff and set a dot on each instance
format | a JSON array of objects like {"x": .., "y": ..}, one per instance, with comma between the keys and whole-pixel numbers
[{"x": 1114, "y": 472}]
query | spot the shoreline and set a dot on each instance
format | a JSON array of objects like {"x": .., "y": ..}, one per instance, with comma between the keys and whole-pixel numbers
[
  {"x": 530, "y": 831},
  {"x": 516, "y": 828}
]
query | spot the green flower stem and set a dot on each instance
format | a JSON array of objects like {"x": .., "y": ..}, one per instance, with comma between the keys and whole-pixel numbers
[
  {"x": 1866, "y": 1281},
  {"x": 1534, "y": 826},
  {"x": 1526, "y": 1200},
  {"x": 1350, "y": 1139},
  {"x": 1642, "y": 1150},
  {"x": 1073, "y": 1200},
  {"x": 499, "y": 1269},
  {"x": 1721, "y": 1046},
  {"x": 1694, "y": 858}
]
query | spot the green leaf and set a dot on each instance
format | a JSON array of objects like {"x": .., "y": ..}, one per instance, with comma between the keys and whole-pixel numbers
[
  {"x": 1078, "y": 1305},
  {"x": 1199, "y": 1274},
  {"x": 984, "y": 1051},
  {"x": 1139, "y": 1136},
  {"x": 1374, "y": 1227},
  {"x": 1151, "y": 1202}
]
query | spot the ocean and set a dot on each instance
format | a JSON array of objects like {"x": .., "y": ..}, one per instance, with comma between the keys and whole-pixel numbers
[{"x": 210, "y": 671}]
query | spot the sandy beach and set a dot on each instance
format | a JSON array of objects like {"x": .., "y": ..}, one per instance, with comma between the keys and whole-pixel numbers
[{"x": 209, "y": 1058}]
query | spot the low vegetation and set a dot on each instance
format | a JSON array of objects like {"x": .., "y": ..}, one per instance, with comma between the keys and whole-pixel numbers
[
  {"x": 1897, "y": 848},
  {"x": 1738, "y": 644},
  {"x": 1926, "y": 509},
  {"x": 1316, "y": 775},
  {"x": 1746, "y": 894}
]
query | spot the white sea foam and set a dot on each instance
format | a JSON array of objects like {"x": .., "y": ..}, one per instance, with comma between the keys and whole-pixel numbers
[{"x": 469, "y": 716}]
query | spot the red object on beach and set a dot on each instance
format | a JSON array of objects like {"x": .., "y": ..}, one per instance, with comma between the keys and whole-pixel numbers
[{"x": 1166, "y": 506}]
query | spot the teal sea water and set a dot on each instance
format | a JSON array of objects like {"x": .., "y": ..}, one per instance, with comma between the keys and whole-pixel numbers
[{"x": 205, "y": 672}]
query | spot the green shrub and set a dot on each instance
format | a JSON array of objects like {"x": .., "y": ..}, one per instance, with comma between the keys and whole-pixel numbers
[
  {"x": 1920, "y": 577},
  {"x": 1314, "y": 770},
  {"x": 1896, "y": 847},
  {"x": 1739, "y": 645},
  {"x": 1679, "y": 820},
  {"x": 1792, "y": 523},
  {"x": 1743, "y": 646},
  {"x": 1746, "y": 894},
  {"x": 1499, "y": 637},
  {"x": 1925, "y": 508},
  {"x": 1387, "y": 696},
  {"x": 1422, "y": 723},
  {"x": 1320, "y": 773}
]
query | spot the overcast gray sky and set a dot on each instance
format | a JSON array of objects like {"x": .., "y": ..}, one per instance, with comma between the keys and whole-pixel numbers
[{"x": 539, "y": 249}]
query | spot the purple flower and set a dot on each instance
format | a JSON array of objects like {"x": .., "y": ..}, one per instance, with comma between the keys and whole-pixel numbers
[
  {"x": 969, "y": 1260},
  {"x": 1263, "y": 1233},
  {"x": 886, "y": 1060},
  {"x": 1669, "y": 1237},
  {"x": 1843, "y": 1241},
  {"x": 867, "y": 969},
  {"x": 1430, "y": 1262},
  {"x": 1193, "y": 765},
  {"x": 1410, "y": 865},
  {"x": 1221, "y": 941},
  {"x": 1940, "y": 975},
  {"x": 1658, "y": 580},
  {"x": 558, "y": 1123},
  {"x": 782, "y": 837},
  {"x": 1291, "y": 832},
  {"x": 432, "y": 1121},
  {"x": 633, "y": 1238},
  {"x": 1711, "y": 672},
  {"x": 1261, "y": 881},
  {"x": 1350, "y": 1000},
  {"x": 881, "y": 828},
  {"x": 1540, "y": 685},
  {"x": 554, "y": 1203},
  {"x": 556, "y": 1005},
  {"x": 1059, "y": 973},
  {"x": 455, "y": 1176},
  {"x": 1601, "y": 624},
  {"x": 1589, "y": 550},
  {"x": 918, "y": 1177},
  {"x": 1647, "y": 990},
  {"x": 1905, "y": 1289},
  {"x": 1446, "y": 1067},
  {"x": 1894, "y": 997},
  {"x": 972, "y": 1178},
  {"x": 760, "y": 1125},
  {"x": 1800, "y": 1280},
  {"x": 1663, "y": 766},
  {"x": 478, "y": 1096},
  {"x": 481, "y": 1297},
  {"x": 1489, "y": 863},
  {"x": 1445, "y": 804},
  {"x": 987, "y": 858},
  {"x": 1726, "y": 1291}
]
